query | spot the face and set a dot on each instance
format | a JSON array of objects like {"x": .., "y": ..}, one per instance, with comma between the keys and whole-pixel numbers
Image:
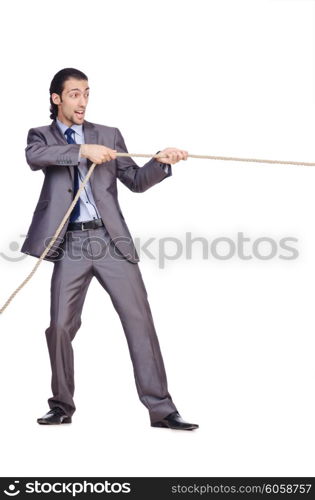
[{"x": 73, "y": 101}]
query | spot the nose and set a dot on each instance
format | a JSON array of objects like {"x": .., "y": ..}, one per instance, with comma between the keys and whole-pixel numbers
[{"x": 83, "y": 101}]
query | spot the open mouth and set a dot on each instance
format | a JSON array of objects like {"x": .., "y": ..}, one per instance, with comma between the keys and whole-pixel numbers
[{"x": 79, "y": 113}]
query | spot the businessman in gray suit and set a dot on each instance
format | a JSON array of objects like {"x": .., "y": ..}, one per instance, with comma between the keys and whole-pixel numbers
[{"x": 95, "y": 241}]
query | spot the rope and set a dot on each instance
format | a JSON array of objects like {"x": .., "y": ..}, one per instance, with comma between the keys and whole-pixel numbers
[
  {"x": 88, "y": 175},
  {"x": 229, "y": 158}
]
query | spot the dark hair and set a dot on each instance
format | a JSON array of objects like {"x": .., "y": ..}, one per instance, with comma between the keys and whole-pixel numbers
[{"x": 57, "y": 85}]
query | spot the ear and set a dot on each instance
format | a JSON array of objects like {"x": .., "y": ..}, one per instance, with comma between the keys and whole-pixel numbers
[{"x": 55, "y": 98}]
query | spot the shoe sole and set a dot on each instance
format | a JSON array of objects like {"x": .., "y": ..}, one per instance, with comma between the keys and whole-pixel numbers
[{"x": 166, "y": 426}]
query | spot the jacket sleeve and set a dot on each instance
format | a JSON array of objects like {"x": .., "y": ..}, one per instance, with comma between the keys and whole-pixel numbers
[
  {"x": 138, "y": 179},
  {"x": 39, "y": 155}
]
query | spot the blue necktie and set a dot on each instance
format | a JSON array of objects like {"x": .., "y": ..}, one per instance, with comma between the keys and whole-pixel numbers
[{"x": 76, "y": 209}]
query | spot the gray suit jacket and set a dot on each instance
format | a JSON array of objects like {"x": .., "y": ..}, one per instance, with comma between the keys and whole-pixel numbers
[{"x": 48, "y": 150}]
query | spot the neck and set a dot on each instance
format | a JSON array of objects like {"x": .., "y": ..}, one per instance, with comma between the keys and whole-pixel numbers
[{"x": 66, "y": 122}]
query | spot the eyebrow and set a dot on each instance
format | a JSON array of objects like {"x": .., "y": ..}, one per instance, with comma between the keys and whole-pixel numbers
[{"x": 87, "y": 88}]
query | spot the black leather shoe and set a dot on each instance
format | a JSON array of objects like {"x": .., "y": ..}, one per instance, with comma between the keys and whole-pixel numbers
[
  {"x": 55, "y": 416},
  {"x": 174, "y": 421}
]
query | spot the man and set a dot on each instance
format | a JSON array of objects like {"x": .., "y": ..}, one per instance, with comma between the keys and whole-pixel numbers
[{"x": 95, "y": 241}]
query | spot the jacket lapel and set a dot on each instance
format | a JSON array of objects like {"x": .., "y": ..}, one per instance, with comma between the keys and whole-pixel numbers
[
  {"x": 61, "y": 140},
  {"x": 90, "y": 137}
]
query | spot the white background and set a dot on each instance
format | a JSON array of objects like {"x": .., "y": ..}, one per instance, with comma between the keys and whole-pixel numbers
[{"x": 220, "y": 77}]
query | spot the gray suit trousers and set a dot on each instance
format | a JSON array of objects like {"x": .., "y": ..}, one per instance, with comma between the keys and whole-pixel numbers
[{"x": 88, "y": 253}]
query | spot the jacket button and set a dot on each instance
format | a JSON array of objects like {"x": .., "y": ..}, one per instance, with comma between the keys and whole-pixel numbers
[{"x": 69, "y": 190}]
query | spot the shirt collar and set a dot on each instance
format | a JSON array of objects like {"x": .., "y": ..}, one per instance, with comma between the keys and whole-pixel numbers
[{"x": 63, "y": 127}]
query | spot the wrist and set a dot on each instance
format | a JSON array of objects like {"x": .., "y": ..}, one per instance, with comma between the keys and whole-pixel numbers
[{"x": 82, "y": 151}]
